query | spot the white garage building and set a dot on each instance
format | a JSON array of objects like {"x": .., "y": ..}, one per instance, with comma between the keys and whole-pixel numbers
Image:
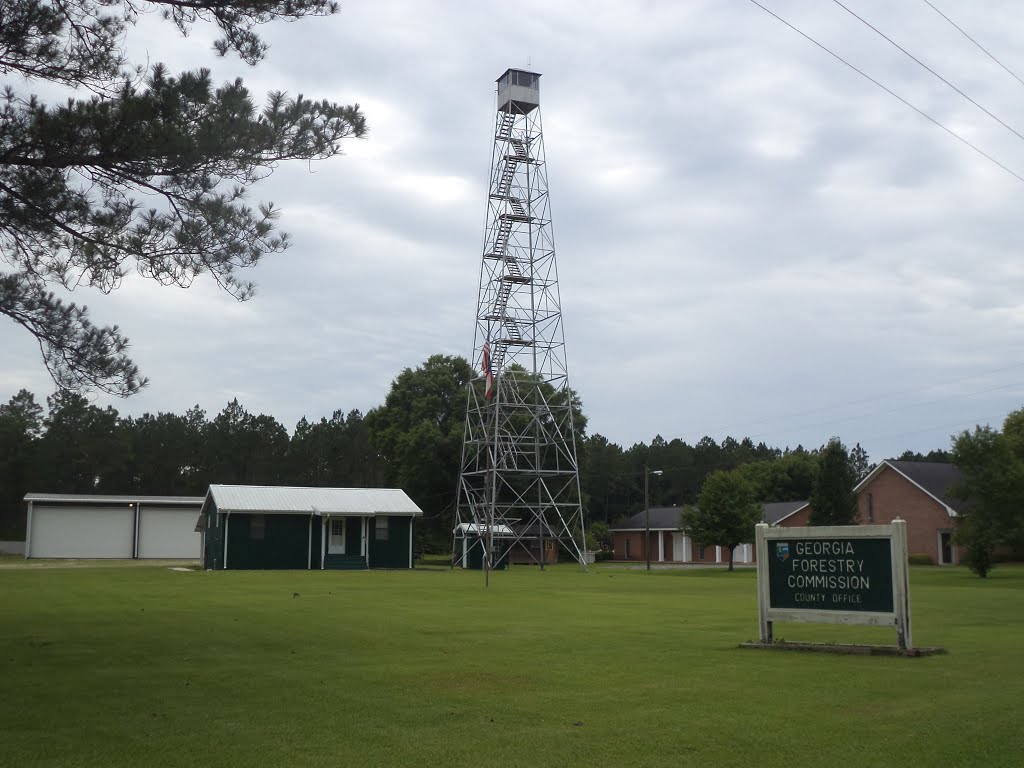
[{"x": 64, "y": 525}]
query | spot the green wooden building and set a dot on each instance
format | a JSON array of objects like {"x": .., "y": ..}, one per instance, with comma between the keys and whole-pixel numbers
[{"x": 266, "y": 527}]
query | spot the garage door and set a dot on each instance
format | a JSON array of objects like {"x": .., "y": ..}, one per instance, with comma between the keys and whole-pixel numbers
[
  {"x": 81, "y": 531},
  {"x": 169, "y": 533}
]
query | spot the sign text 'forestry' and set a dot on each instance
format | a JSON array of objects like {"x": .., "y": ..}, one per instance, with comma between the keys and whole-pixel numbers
[{"x": 831, "y": 574}]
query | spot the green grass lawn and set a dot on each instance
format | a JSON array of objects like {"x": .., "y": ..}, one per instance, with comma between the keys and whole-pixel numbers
[{"x": 152, "y": 667}]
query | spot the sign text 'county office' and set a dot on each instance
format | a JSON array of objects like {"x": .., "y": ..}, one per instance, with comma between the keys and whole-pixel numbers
[{"x": 839, "y": 574}]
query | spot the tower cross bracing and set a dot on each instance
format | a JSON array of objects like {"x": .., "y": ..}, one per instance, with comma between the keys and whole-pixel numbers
[{"x": 519, "y": 490}]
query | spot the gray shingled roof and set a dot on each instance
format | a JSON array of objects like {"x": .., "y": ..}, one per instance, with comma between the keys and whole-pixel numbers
[
  {"x": 662, "y": 519},
  {"x": 534, "y": 530},
  {"x": 935, "y": 478},
  {"x": 780, "y": 510}
]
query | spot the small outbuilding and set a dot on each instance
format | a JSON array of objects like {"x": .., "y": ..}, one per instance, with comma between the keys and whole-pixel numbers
[
  {"x": 269, "y": 527},
  {"x": 536, "y": 544},
  {"x": 469, "y": 545},
  {"x": 72, "y": 525}
]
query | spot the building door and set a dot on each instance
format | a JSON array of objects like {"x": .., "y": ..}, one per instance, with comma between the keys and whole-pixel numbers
[
  {"x": 945, "y": 548},
  {"x": 168, "y": 532},
  {"x": 82, "y": 531},
  {"x": 336, "y": 538},
  {"x": 550, "y": 554}
]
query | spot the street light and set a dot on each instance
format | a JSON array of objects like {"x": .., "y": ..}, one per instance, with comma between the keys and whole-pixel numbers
[{"x": 647, "y": 512}]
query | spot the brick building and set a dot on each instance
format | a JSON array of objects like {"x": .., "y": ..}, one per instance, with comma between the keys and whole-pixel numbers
[
  {"x": 919, "y": 493},
  {"x": 915, "y": 491},
  {"x": 668, "y": 541}
]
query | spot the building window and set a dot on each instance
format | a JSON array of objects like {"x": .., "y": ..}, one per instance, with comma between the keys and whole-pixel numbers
[
  {"x": 627, "y": 550},
  {"x": 257, "y": 527},
  {"x": 381, "y": 529},
  {"x": 871, "y": 509},
  {"x": 525, "y": 79},
  {"x": 337, "y": 527},
  {"x": 700, "y": 553}
]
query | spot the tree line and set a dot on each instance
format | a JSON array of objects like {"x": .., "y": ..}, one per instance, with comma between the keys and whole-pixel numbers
[
  {"x": 729, "y": 504},
  {"x": 413, "y": 440}
]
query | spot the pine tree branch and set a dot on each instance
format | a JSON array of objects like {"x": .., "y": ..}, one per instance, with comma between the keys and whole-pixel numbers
[
  {"x": 77, "y": 353},
  {"x": 72, "y": 176}
]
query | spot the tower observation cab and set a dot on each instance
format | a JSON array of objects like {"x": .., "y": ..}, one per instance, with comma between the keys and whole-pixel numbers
[{"x": 518, "y": 91}]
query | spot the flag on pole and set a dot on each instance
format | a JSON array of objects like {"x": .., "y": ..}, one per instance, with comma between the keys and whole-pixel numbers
[{"x": 488, "y": 375}]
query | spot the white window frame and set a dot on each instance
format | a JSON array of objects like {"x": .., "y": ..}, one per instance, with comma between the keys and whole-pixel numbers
[{"x": 332, "y": 547}]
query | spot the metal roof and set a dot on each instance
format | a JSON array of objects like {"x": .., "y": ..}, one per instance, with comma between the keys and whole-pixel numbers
[
  {"x": 316, "y": 501},
  {"x": 498, "y": 529},
  {"x": 89, "y": 498}
]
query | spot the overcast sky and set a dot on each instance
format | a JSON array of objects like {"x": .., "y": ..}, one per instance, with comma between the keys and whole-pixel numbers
[{"x": 752, "y": 239}]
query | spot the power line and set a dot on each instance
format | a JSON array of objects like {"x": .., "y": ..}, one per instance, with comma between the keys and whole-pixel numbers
[
  {"x": 899, "y": 409},
  {"x": 979, "y": 45},
  {"x": 892, "y": 93},
  {"x": 873, "y": 399},
  {"x": 920, "y": 63},
  {"x": 949, "y": 425}
]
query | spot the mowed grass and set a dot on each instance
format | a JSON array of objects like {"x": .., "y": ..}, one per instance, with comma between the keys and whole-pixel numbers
[{"x": 152, "y": 667}]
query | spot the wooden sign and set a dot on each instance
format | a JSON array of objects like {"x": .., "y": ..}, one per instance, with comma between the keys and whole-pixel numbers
[{"x": 852, "y": 574}]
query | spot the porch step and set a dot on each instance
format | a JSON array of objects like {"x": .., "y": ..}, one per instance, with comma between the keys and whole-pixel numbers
[{"x": 345, "y": 562}]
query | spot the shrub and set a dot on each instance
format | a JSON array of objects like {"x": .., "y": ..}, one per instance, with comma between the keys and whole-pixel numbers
[{"x": 920, "y": 558}]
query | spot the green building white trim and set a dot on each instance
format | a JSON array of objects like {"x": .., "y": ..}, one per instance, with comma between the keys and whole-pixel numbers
[{"x": 271, "y": 527}]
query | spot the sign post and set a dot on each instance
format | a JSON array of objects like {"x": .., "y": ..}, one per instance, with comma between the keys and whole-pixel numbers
[{"x": 855, "y": 574}]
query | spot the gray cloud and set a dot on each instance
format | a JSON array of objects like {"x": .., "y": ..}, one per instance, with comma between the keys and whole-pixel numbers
[{"x": 752, "y": 240}]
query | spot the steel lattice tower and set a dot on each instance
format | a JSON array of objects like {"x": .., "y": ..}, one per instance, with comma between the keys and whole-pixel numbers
[{"x": 519, "y": 487}]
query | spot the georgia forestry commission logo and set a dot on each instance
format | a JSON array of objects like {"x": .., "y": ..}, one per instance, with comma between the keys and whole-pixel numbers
[{"x": 782, "y": 551}]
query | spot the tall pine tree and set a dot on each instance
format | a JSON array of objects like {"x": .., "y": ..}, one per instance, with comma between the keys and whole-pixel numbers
[
  {"x": 21, "y": 424},
  {"x": 832, "y": 499}
]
